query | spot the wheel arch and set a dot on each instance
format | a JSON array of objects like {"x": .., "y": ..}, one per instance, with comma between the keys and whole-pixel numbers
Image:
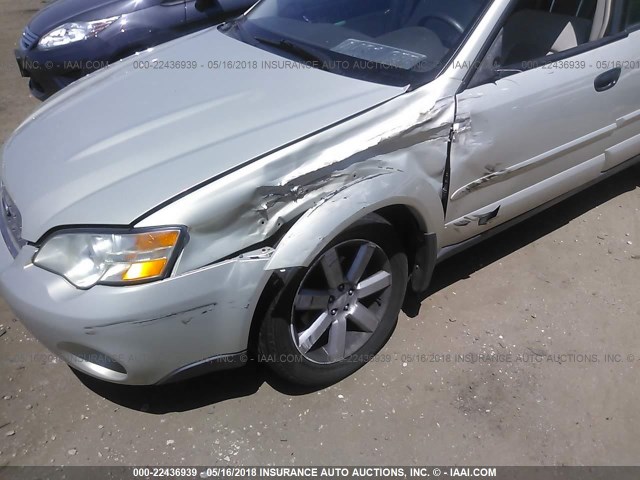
[
  {"x": 418, "y": 218},
  {"x": 408, "y": 202},
  {"x": 420, "y": 246}
]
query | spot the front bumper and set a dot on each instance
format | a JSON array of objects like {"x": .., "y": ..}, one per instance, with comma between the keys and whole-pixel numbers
[{"x": 142, "y": 334}]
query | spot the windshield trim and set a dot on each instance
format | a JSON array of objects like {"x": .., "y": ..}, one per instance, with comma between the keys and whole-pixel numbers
[{"x": 465, "y": 39}]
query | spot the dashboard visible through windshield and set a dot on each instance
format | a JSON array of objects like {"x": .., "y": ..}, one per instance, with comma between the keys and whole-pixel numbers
[{"x": 398, "y": 42}]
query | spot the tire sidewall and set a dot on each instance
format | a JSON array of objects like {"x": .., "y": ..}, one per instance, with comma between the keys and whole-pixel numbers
[{"x": 277, "y": 346}]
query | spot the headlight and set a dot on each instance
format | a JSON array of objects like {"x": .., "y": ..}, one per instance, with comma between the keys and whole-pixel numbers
[
  {"x": 74, "y": 32},
  {"x": 111, "y": 257}
]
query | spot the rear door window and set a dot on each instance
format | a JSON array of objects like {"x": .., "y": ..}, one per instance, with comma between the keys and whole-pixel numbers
[{"x": 633, "y": 13}]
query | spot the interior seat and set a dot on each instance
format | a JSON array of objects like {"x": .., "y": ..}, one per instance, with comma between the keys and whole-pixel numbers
[{"x": 531, "y": 34}]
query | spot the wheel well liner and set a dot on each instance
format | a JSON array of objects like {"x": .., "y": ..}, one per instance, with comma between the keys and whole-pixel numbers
[{"x": 420, "y": 247}]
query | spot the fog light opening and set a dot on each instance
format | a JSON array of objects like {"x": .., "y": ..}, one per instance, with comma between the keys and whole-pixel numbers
[{"x": 92, "y": 361}]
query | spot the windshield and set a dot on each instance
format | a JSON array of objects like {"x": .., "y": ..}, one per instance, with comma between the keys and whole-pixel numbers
[{"x": 398, "y": 42}]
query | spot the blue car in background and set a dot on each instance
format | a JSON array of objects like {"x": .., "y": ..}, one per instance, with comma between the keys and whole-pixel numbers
[{"x": 71, "y": 38}]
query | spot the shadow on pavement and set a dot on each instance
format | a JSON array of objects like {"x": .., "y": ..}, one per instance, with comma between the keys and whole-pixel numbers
[
  {"x": 503, "y": 244},
  {"x": 218, "y": 387},
  {"x": 193, "y": 393}
]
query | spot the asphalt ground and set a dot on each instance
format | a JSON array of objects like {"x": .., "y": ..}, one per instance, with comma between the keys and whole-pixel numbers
[{"x": 526, "y": 352}]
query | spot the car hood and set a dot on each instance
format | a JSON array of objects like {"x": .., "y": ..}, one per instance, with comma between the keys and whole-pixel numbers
[
  {"x": 118, "y": 143},
  {"x": 63, "y": 11}
]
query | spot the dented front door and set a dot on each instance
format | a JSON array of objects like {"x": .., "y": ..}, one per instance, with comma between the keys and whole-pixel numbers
[{"x": 529, "y": 138}]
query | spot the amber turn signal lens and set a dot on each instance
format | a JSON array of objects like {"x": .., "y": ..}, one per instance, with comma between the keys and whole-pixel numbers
[
  {"x": 154, "y": 240},
  {"x": 144, "y": 270}
]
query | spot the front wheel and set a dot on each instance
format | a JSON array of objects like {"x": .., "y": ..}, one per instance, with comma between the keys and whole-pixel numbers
[{"x": 333, "y": 317}]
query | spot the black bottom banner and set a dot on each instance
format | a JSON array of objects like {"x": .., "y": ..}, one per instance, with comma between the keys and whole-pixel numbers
[{"x": 319, "y": 472}]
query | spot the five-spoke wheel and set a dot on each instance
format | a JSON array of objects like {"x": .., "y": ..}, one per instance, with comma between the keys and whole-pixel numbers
[
  {"x": 341, "y": 301},
  {"x": 334, "y": 316}
]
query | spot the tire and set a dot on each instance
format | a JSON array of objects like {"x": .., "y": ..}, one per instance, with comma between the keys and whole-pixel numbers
[{"x": 316, "y": 331}]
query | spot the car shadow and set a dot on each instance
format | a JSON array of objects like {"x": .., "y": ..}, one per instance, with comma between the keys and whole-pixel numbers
[
  {"x": 180, "y": 396},
  {"x": 464, "y": 264},
  {"x": 214, "y": 388},
  {"x": 193, "y": 393}
]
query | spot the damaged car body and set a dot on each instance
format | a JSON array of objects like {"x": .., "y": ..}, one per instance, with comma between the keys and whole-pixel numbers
[{"x": 291, "y": 212}]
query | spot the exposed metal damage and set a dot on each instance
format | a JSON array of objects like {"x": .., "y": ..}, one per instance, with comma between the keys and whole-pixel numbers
[
  {"x": 402, "y": 145},
  {"x": 481, "y": 219},
  {"x": 403, "y": 140},
  {"x": 471, "y": 134},
  {"x": 468, "y": 137}
]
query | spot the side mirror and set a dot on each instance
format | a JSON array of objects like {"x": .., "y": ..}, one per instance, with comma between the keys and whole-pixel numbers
[{"x": 491, "y": 72}]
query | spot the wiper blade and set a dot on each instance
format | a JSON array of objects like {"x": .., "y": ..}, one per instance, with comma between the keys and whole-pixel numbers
[{"x": 303, "y": 52}]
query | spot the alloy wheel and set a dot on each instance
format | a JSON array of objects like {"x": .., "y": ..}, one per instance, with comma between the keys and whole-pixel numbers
[{"x": 341, "y": 301}]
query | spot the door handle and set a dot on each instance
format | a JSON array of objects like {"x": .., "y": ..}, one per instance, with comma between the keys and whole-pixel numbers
[{"x": 607, "y": 80}]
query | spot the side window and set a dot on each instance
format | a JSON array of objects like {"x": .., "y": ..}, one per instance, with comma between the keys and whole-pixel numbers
[
  {"x": 537, "y": 29},
  {"x": 633, "y": 13},
  {"x": 533, "y": 33}
]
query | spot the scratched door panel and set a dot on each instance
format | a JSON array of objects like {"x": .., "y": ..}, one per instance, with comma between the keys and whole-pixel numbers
[
  {"x": 533, "y": 125},
  {"x": 626, "y": 139}
]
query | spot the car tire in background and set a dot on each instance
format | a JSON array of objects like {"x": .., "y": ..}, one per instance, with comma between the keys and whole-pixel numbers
[{"x": 332, "y": 318}]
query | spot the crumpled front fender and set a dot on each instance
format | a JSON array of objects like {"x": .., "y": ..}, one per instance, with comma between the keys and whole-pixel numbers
[
  {"x": 322, "y": 223},
  {"x": 394, "y": 154}
]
